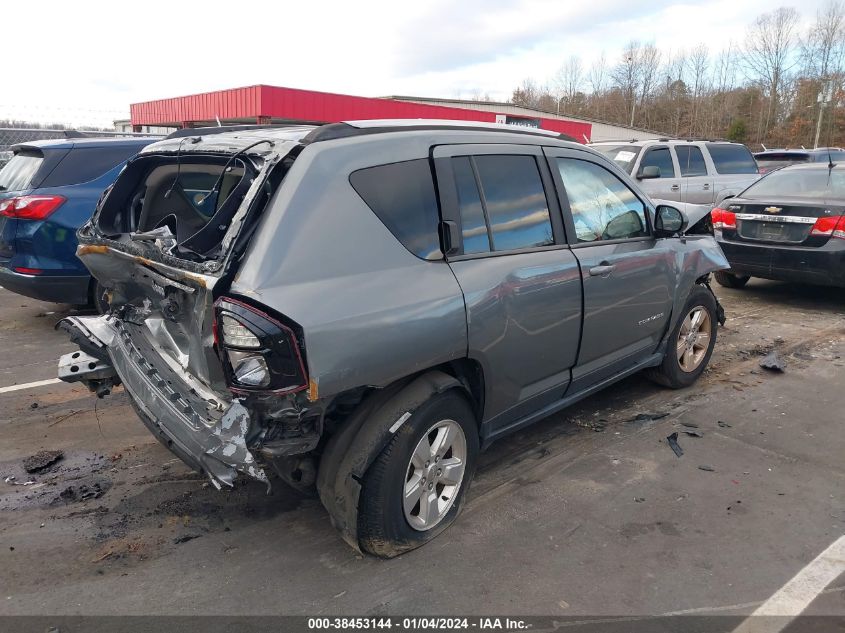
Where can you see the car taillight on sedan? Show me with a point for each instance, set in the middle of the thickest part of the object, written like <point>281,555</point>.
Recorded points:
<point>259,353</point>
<point>830,226</point>
<point>30,207</point>
<point>723,219</point>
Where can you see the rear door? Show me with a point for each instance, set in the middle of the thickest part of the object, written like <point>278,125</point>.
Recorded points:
<point>696,183</point>
<point>520,280</point>
<point>629,277</point>
<point>734,167</point>
<point>668,186</point>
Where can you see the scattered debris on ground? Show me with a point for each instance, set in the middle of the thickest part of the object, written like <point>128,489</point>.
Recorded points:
<point>773,362</point>
<point>723,425</point>
<point>41,460</point>
<point>693,433</point>
<point>707,468</point>
<point>648,417</point>
<point>673,444</point>
<point>185,538</point>
<point>84,492</point>
<point>13,481</point>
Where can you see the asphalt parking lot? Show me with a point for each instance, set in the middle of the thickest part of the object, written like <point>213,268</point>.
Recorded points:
<point>589,512</point>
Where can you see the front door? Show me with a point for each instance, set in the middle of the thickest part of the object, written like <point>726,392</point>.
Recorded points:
<point>668,186</point>
<point>628,276</point>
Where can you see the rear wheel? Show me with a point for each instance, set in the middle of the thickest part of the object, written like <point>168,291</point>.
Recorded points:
<point>729,280</point>
<point>416,487</point>
<point>690,343</point>
<point>98,297</point>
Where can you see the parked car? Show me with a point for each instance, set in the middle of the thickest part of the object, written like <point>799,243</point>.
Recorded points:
<point>364,306</point>
<point>697,172</point>
<point>788,226</point>
<point>777,158</point>
<point>47,191</point>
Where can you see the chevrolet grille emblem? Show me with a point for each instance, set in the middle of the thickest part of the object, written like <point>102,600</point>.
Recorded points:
<point>773,209</point>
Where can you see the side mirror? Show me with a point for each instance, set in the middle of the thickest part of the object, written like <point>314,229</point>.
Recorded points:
<point>648,172</point>
<point>669,221</point>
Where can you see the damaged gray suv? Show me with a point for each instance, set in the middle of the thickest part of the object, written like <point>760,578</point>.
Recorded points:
<point>362,307</point>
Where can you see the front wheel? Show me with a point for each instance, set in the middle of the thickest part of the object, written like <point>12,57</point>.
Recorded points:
<point>690,343</point>
<point>415,488</point>
<point>729,280</point>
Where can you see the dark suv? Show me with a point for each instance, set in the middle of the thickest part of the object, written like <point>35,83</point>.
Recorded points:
<point>366,305</point>
<point>47,191</point>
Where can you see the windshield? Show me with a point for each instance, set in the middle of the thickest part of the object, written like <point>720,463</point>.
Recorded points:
<point>799,183</point>
<point>18,172</point>
<point>622,155</point>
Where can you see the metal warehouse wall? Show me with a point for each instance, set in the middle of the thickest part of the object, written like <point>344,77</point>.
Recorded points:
<point>601,131</point>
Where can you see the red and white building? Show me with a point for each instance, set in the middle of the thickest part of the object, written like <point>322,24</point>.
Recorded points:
<point>272,104</point>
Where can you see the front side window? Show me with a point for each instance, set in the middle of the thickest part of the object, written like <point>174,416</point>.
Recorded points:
<point>690,160</point>
<point>659,157</point>
<point>515,201</point>
<point>731,158</point>
<point>402,196</point>
<point>602,206</point>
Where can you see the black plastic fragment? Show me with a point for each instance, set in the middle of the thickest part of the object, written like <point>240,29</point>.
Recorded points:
<point>673,444</point>
<point>773,362</point>
<point>707,468</point>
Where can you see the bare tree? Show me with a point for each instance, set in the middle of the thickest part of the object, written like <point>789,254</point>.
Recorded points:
<point>597,78</point>
<point>569,81</point>
<point>769,57</point>
<point>699,68</point>
<point>823,48</point>
<point>627,76</point>
<point>649,62</point>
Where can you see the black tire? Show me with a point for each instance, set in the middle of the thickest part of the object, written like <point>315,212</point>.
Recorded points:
<point>670,373</point>
<point>98,298</point>
<point>729,280</point>
<point>383,529</point>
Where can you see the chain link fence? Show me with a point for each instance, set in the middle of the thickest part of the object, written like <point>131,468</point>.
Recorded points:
<point>10,136</point>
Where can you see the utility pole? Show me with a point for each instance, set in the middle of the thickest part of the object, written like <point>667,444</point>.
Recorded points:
<point>825,97</point>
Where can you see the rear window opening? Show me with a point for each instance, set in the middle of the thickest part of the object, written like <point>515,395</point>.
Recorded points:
<point>184,206</point>
<point>18,173</point>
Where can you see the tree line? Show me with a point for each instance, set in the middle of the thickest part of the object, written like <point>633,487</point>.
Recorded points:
<point>766,90</point>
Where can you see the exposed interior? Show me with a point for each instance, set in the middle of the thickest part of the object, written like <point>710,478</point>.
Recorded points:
<point>184,205</point>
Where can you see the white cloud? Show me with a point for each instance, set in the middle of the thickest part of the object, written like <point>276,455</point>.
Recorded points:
<point>84,63</point>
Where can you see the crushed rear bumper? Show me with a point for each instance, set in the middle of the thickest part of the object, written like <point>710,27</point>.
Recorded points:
<point>208,435</point>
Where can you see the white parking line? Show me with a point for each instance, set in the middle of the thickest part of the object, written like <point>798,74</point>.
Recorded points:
<point>796,595</point>
<point>30,385</point>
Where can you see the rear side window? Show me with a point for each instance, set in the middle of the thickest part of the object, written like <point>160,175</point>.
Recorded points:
<point>659,157</point>
<point>83,164</point>
<point>732,159</point>
<point>402,196</point>
<point>18,172</point>
<point>690,160</point>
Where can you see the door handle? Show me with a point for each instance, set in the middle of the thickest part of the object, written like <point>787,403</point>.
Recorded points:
<point>602,270</point>
<point>706,187</point>
<point>675,187</point>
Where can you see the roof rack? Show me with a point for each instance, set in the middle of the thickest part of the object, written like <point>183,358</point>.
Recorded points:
<point>222,129</point>
<point>346,129</point>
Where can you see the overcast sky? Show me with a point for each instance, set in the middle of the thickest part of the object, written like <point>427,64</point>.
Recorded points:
<point>85,62</point>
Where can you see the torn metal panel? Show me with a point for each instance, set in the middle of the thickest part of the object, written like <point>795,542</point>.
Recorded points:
<point>210,434</point>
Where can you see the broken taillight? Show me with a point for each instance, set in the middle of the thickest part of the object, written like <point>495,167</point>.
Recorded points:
<point>259,352</point>
<point>830,226</point>
<point>30,207</point>
<point>723,219</point>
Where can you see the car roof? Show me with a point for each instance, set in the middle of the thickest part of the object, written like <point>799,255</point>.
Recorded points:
<point>797,152</point>
<point>92,142</point>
